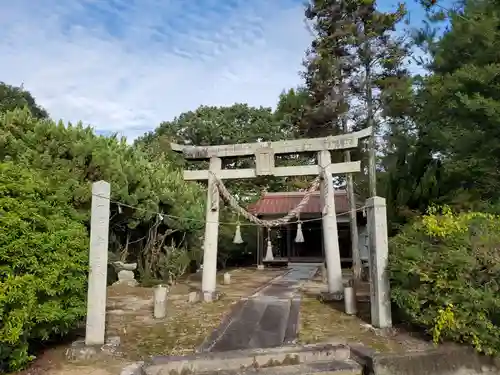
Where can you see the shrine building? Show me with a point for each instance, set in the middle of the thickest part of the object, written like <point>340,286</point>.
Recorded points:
<point>285,247</point>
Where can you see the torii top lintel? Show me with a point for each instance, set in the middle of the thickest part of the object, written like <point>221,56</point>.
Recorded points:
<point>337,142</point>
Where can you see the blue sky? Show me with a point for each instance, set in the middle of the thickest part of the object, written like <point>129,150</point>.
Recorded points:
<point>126,65</point>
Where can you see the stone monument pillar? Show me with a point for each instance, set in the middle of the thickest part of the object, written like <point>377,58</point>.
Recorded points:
<point>98,262</point>
<point>380,299</point>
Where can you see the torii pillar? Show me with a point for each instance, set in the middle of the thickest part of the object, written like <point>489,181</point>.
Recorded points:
<point>330,231</point>
<point>209,276</point>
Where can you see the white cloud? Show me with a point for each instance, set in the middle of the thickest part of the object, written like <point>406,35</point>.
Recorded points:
<point>125,65</point>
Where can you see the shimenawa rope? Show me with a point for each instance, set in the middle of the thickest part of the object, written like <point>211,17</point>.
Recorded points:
<point>233,202</point>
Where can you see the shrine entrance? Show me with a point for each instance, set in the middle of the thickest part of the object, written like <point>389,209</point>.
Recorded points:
<point>286,250</point>
<point>309,248</point>
<point>264,153</point>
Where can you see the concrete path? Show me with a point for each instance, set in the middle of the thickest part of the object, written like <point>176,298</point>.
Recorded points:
<point>269,318</point>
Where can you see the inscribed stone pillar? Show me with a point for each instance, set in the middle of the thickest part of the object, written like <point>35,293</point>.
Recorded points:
<point>98,262</point>
<point>209,279</point>
<point>330,232</point>
<point>379,250</point>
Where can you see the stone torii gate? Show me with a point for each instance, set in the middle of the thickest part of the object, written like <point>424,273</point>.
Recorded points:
<point>264,153</point>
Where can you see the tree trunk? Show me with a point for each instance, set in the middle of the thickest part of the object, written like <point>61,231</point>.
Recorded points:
<point>353,223</point>
<point>372,170</point>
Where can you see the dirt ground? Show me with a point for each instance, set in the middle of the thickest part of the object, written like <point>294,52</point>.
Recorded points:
<point>129,315</point>
<point>326,321</point>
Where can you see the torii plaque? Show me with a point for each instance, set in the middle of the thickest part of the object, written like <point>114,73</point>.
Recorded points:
<point>264,153</point>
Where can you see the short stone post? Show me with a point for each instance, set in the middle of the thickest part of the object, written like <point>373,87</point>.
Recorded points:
<point>227,278</point>
<point>379,249</point>
<point>160,301</point>
<point>349,299</point>
<point>193,297</point>
<point>98,264</point>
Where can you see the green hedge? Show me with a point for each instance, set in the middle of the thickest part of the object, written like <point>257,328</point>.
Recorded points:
<point>445,277</point>
<point>43,264</point>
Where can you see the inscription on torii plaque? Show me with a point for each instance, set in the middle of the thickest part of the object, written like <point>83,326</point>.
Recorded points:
<point>264,161</point>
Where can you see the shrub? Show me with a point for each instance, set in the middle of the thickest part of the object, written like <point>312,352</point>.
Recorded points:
<point>75,157</point>
<point>43,264</point>
<point>444,272</point>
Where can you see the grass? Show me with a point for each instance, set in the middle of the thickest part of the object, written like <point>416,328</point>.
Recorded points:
<point>186,324</point>
<point>326,321</point>
<point>130,316</point>
<point>322,321</point>
<point>180,333</point>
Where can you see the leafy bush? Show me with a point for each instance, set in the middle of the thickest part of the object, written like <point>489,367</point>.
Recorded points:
<point>445,276</point>
<point>43,264</point>
<point>75,157</point>
<point>163,263</point>
<point>174,263</point>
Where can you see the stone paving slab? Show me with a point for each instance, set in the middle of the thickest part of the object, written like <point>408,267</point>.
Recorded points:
<point>269,318</point>
<point>270,330</point>
<point>240,331</point>
<point>281,289</point>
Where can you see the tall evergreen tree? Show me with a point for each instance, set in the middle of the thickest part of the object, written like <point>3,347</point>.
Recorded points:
<point>352,54</point>
<point>460,100</point>
<point>329,64</point>
<point>353,59</point>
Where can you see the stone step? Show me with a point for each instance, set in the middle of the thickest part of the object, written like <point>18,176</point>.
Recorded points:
<point>247,358</point>
<point>347,367</point>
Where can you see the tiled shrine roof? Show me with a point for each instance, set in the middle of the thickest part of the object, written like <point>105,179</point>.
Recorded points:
<point>282,202</point>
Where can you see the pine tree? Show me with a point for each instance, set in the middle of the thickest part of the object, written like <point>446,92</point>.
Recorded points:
<point>329,64</point>
<point>352,54</point>
<point>460,100</point>
<point>353,59</point>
